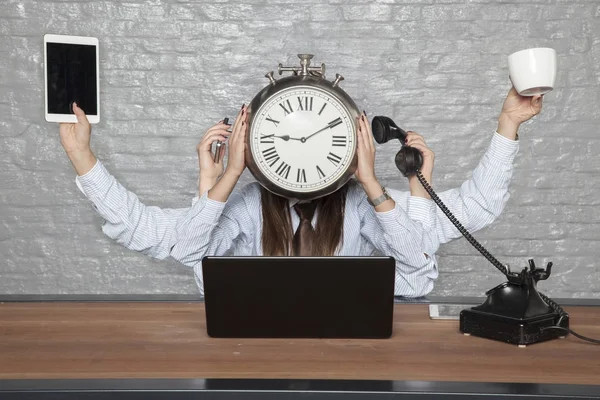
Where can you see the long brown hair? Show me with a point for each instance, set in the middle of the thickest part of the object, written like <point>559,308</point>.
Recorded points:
<point>277,231</point>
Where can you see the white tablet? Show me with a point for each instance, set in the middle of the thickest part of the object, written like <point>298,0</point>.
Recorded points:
<point>71,72</point>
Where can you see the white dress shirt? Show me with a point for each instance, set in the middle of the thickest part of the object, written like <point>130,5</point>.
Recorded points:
<point>411,232</point>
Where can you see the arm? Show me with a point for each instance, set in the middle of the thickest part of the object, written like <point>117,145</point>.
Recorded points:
<point>150,230</point>
<point>481,199</point>
<point>405,235</point>
<point>127,220</point>
<point>219,219</point>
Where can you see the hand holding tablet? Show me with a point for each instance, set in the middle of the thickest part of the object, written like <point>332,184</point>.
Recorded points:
<point>71,74</point>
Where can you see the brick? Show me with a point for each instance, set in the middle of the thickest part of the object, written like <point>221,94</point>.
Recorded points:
<point>326,12</point>
<point>171,69</point>
<point>371,12</point>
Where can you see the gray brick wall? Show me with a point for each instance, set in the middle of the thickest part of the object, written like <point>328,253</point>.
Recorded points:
<point>169,69</point>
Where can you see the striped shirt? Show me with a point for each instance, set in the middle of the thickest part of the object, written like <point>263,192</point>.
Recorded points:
<point>411,232</point>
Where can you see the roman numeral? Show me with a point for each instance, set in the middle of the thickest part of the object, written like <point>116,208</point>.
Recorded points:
<point>320,173</point>
<point>339,141</point>
<point>335,122</point>
<point>301,177</point>
<point>283,170</point>
<point>271,156</point>
<point>272,120</point>
<point>267,139</point>
<point>322,108</point>
<point>287,110</point>
<point>305,103</point>
<point>334,158</point>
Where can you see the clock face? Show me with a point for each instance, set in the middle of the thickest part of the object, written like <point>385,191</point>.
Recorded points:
<point>303,139</point>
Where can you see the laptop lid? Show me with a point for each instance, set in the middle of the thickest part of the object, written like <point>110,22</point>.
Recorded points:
<point>299,297</point>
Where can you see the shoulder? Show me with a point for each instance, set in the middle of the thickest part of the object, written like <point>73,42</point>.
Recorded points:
<point>249,195</point>
<point>251,190</point>
<point>244,203</point>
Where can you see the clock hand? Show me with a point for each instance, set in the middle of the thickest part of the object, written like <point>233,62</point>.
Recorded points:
<point>330,125</point>
<point>285,137</point>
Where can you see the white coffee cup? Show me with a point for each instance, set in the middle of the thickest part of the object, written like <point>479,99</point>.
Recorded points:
<point>533,71</point>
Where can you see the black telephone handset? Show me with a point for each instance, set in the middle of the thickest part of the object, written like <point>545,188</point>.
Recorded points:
<point>408,159</point>
<point>514,312</point>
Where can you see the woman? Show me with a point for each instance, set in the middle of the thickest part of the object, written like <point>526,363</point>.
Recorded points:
<point>253,221</point>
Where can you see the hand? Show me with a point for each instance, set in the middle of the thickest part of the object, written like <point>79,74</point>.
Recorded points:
<point>236,162</point>
<point>75,139</point>
<point>209,170</point>
<point>365,173</point>
<point>365,150</point>
<point>516,110</point>
<point>416,141</point>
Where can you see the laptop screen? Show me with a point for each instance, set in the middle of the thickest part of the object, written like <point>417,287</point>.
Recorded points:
<point>295,297</point>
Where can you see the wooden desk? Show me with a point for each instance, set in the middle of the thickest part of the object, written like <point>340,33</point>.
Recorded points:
<point>45,343</point>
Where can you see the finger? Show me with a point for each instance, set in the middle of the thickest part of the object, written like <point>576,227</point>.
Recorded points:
<point>221,126</point>
<point>359,136</point>
<point>414,139</point>
<point>364,129</point>
<point>222,153</point>
<point>63,128</point>
<point>413,134</point>
<point>237,125</point>
<point>240,131</point>
<point>409,136</point>
<point>209,135</point>
<point>206,145</point>
<point>81,118</point>
<point>235,133</point>
<point>244,132</point>
<point>221,131</point>
<point>426,151</point>
<point>369,131</point>
<point>241,136</point>
<point>239,118</point>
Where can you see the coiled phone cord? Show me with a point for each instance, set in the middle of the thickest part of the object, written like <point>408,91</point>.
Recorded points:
<point>557,308</point>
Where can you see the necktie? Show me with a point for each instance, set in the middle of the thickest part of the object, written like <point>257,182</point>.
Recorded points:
<point>304,236</point>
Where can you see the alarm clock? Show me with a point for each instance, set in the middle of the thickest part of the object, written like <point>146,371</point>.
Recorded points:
<point>301,139</point>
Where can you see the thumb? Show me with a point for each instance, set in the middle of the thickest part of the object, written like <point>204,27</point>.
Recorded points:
<point>81,118</point>
<point>222,153</point>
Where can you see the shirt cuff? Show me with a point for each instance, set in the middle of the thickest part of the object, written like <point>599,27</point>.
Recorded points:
<point>208,210</point>
<point>95,182</point>
<point>503,149</point>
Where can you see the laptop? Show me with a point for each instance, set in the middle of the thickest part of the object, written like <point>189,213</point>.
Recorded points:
<point>299,297</point>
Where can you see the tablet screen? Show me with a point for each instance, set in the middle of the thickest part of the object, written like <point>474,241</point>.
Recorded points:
<point>71,75</point>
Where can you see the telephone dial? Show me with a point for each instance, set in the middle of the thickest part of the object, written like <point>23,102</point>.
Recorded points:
<point>515,311</point>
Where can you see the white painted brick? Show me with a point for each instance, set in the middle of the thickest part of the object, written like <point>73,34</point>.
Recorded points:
<point>170,69</point>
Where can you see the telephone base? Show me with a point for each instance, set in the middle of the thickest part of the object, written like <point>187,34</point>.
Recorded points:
<point>518,331</point>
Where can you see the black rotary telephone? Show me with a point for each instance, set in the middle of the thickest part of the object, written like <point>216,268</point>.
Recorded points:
<point>515,311</point>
